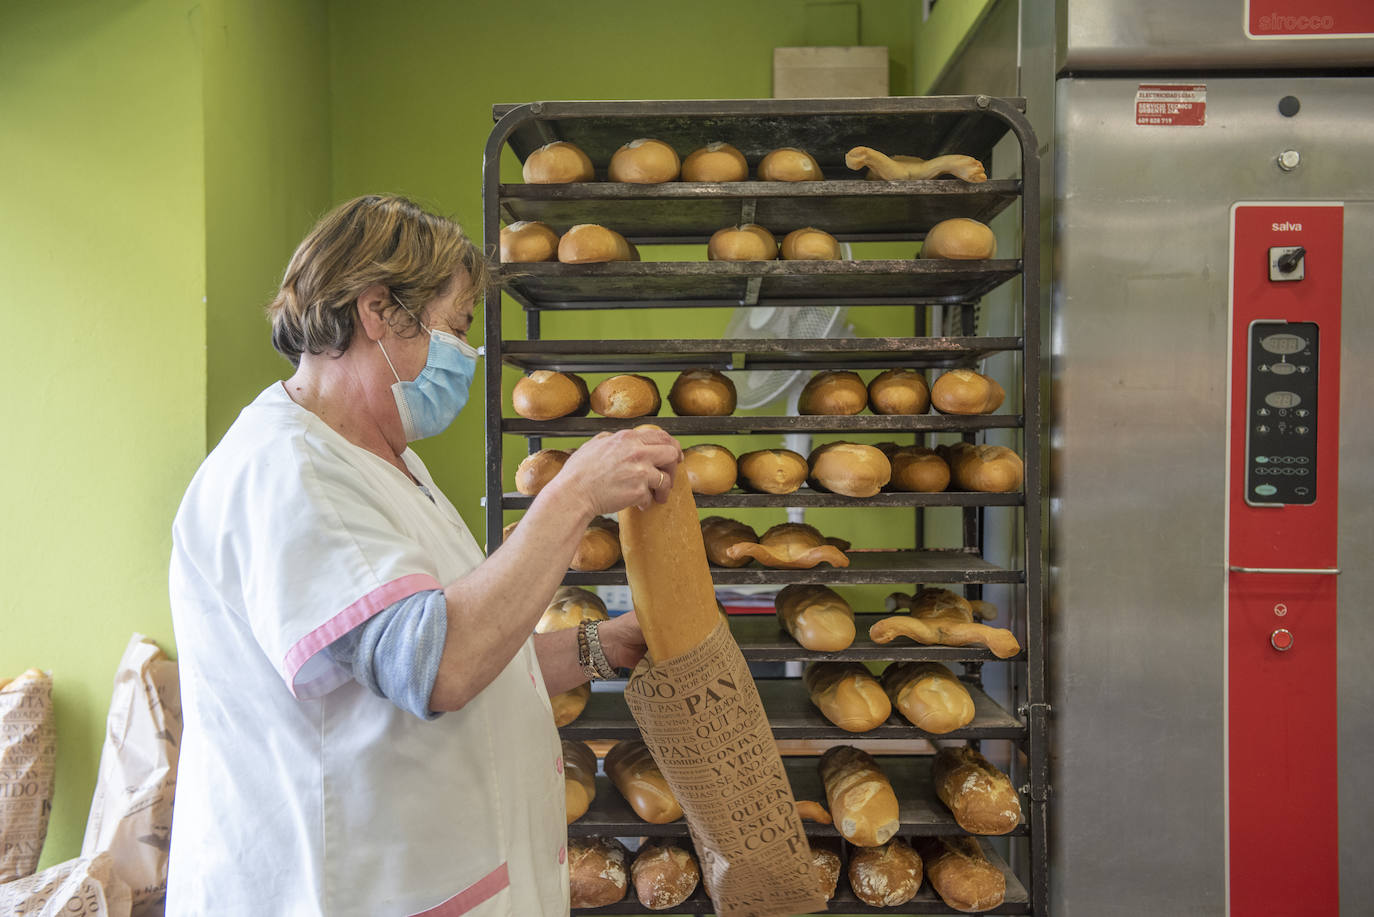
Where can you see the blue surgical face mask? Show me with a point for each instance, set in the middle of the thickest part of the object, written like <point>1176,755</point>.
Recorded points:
<point>429,404</point>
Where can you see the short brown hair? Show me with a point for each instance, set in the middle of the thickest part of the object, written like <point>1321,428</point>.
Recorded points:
<point>375,239</point>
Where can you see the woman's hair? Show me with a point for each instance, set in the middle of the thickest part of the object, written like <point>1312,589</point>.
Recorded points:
<point>376,239</point>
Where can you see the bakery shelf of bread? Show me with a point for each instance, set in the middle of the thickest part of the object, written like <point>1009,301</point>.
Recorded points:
<point>817,423</point>
<point>806,497</point>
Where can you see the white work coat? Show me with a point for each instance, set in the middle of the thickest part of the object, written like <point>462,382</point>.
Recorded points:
<point>300,792</point>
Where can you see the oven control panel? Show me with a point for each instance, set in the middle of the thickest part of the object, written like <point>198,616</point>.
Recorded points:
<point>1281,440</point>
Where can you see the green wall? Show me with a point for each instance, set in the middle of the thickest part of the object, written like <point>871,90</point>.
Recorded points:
<point>939,38</point>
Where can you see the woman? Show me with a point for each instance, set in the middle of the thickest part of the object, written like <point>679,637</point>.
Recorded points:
<point>367,724</point>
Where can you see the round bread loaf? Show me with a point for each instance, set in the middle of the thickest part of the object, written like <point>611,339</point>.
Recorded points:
<point>711,469</point>
<point>537,470</point>
<point>569,705</point>
<point>598,873</point>
<point>720,534</point>
<point>852,469</point>
<point>825,863</point>
<point>599,548</point>
<point>959,239</point>
<point>810,244</point>
<point>644,162</point>
<point>917,470</point>
<point>570,606</point>
<point>527,241</point>
<point>929,696</point>
<point>899,391</point>
<point>886,876</point>
<point>716,161</point>
<point>750,242</point>
<point>789,164</point>
<point>544,395</point>
<point>579,777</point>
<point>772,471</point>
<point>833,392</point>
<point>664,874</point>
<point>627,395</point>
<point>702,393</point>
<point>558,163</point>
<point>963,391</point>
<point>983,468</point>
<point>588,243</point>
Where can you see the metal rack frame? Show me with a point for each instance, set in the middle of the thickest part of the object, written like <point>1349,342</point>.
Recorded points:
<point>860,211</point>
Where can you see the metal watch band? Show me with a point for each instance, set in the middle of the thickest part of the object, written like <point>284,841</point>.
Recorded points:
<point>584,651</point>
<point>600,663</point>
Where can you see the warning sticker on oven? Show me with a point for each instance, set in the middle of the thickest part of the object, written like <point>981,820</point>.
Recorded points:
<point>1171,104</point>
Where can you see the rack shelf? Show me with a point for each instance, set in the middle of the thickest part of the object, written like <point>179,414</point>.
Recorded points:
<point>806,497</point>
<point>865,567</point>
<point>761,639</point>
<point>739,423</point>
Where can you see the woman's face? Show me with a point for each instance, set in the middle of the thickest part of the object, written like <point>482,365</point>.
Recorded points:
<point>450,311</point>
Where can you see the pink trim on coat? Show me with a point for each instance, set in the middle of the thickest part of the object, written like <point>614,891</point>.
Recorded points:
<point>355,614</point>
<point>477,893</point>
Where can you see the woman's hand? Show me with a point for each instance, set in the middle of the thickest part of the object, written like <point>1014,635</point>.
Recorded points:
<point>614,470</point>
<point>622,640</point>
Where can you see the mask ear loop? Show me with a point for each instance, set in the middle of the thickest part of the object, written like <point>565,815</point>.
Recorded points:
<point>403,308</point>
<point>388,361</point>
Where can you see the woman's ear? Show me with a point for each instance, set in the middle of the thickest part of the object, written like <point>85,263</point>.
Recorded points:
<point>372,305</point>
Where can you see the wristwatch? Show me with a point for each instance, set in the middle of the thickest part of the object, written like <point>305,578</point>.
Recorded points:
<point>590,656</point>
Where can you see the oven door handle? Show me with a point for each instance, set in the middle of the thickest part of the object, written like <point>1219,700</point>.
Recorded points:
<point>1325,571</point>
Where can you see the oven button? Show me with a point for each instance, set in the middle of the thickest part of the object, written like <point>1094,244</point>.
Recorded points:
<point>1282,639</point>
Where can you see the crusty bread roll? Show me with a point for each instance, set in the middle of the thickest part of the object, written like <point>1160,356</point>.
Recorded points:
<point>977,792</point>
<point>810,244</point>
<point>848,695</point>
<point>716,161</point>
<point>833,392</point>
<point>599,548</point>
<point>588,243</point>
<point>945,618</point>
<point>598,872</point>
<point>579,778</point>
<point>569,705</point>
<point>859,795</point>
<point>644,162</point>
<point>961,874</point>
<point>711,469</point>
<point>527,241</point>
<point>634,773</point>
<point>899,391</point>
<point>963,391</point>
<point>748,242</point>
<point>702,393</point>
<point>789,164</point>
<point>852,469</point>
<point>664,874</point>
<point>570,606</point>
<point>916,469</point>
<point>537,470</point>
<point>886,876</point>
<point>544,395</point>
<point>825,863</point>
<point>983,469</point>
<point>792,545</point>
<point>913,168</point>
<point>959,239</point>
<point>929,696</point>
<point>558,163</point>
<point>772,471</point>
<point>720,535</point>
<point>816,616</point>
<point>626,395</point>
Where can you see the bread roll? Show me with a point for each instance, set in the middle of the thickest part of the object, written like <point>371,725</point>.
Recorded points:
<point>860,798</point>
<point>810,810</point>
<point>588,243</point>
<point>793,545</point>
<point>816,616</point>
<point>772,471</point>
<point>963,391</point>
<point>810,244</point>
<point>945,618</point>
<point>749,242</point>
<point>899,391</point>
<point>983,469</point>
<point>544,395</point>
<point>634,773</point>
<point>833,392</point>
<point>929,696</point>
<point>789,164</point>
<point>886,876</point>
<point>599,548</point>
<point>977,792</point>
<point>627,395</point>
<point>851,469</point>
<point>537,470</point>
<point>847,695</point>
<point>959,239</point>
<point>825,862</point>
<point>961,874</point>
<point>597,871</point>
<point>702,393</point>
<point>644,162</point>
<point>720,535</point>
<point>664,874</point>
<point>579,778</point>
<point>913,168</point>
<point>569,705</point>
<point>558,163</point>
<point>570,606</point>
<point>528,241</point>
<point>711,469</point>
<point>916,469</point>
<point>716,161</point>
